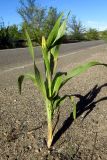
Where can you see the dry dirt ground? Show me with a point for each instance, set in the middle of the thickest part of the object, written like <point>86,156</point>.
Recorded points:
<point>23,122</point>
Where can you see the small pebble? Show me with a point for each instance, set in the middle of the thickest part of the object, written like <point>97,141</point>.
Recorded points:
<point>29,147</point>
<point>37,151</point>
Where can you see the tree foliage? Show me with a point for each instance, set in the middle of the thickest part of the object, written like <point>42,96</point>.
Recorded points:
<point>9,36</point>
<point>31,13</point>
<point>92,34</point>
<point>51,18</point>
<point>76,29</point>
<point>104,35</point>
<point>1,23</point>
<point>39,20</point>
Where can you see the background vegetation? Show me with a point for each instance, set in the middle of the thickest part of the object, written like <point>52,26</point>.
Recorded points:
<point>40,21</point>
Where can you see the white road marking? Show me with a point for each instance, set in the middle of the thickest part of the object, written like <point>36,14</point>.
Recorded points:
<point>79,51</point>
<point>30,64</point>
<point>20,67</point>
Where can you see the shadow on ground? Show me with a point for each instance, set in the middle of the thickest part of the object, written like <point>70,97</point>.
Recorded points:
<point>85,103</point>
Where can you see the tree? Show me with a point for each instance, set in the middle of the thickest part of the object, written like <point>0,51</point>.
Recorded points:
<point>51,18</point>
<point>1,23</point>
<point>104,35</point>
<point>92,34</point>
<point>76,29</point>
<point>8,36</point>
<point>14,32</point>
<point>31,13</point>
<point>33,17</point>
<point>38,20</point>
<point>5,41</point>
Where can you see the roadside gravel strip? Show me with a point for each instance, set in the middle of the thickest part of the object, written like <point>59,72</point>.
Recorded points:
<point>20,116</point>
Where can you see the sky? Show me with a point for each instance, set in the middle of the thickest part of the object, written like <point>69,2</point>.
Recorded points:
<point>92,13</point>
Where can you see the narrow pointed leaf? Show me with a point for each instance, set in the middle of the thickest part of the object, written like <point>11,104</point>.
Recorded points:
<point>39,80</point>
<point>59,101</point>
<point>43,42</point>
<point>26,76</point>
<point>31,50</point>
<point>56,84</point>
<point>55,53</point>
<point>20,81</point>
<point>54,32</point>
<point>80,69</point>
<point>52,63</point>
<point>57,81</point>
<point>61,30</point>
<point>45,56</point>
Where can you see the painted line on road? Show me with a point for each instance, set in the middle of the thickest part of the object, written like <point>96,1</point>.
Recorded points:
<point>68,54</point>
<point>20,67</point>
<point>30,64</point>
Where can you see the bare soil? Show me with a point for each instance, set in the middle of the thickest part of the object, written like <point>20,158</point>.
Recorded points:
<point>23,118</point>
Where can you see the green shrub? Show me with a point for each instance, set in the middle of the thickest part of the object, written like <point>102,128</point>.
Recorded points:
<point>104,35</point>
<point>8,36</point>
<point>92,34</point>
<point>76,29</point>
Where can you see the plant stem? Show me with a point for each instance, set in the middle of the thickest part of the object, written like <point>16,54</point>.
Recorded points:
<point>49,121</point>
<point>50,135</point>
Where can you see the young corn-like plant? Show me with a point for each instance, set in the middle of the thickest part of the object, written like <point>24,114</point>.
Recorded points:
<point>50,85</point>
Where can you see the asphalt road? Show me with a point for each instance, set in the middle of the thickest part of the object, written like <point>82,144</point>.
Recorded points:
<point>15,57</point>
<point>16,61</point>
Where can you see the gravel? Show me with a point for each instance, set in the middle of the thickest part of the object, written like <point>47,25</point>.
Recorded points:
<point>24,126</point>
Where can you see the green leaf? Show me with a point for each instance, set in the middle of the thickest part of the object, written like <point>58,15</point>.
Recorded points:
<point>45,56</point>
<point>20,80</point>
<point>80,69</point>
<point>52,64</point>
<point>25,76</point>
<point>31,50</point>
<point>57,84</point>
<point>39,80</point>
<point>54,32</point>
<point>55,53</point>
<point>57,81</point>
<point>59,100</point>
<point>74,106</point>
<point>61,30</point>
<point>36,79</point>
<point>43,42</point>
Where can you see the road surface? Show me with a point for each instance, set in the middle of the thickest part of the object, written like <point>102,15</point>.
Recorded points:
<point>17,61</point>
<point>10,58</point>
